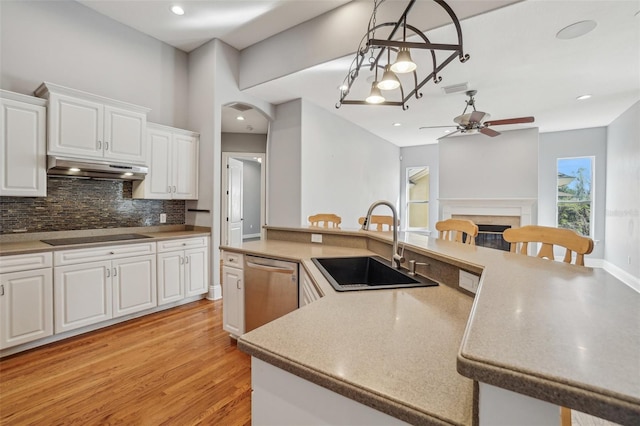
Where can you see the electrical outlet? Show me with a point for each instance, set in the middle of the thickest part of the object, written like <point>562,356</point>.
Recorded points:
<point>163,218</point>
<point>468,281</point>
<point>316,238</point>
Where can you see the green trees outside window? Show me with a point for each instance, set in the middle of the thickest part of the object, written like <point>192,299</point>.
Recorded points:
<point>575,194</point>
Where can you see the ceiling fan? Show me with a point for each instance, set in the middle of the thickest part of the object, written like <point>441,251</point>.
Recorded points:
<point>475,121</point>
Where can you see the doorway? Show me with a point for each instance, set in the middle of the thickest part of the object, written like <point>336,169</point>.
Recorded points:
<point>243,177</point>
<point>243,197</point>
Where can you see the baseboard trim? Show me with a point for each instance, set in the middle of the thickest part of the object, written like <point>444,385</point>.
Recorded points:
<point>622,275</point>
<point>215,292</point>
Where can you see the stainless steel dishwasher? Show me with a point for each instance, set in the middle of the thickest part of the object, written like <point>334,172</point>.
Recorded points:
<point>270,290</point>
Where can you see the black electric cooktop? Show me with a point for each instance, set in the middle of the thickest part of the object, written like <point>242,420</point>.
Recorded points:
<point>93,239</point>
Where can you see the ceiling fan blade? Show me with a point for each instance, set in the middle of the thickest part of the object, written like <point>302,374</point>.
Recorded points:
<point>447,135</point>
<point>489,132</point>
<point>509,121</point>
<point>476,117</point>
<point>435,127</point>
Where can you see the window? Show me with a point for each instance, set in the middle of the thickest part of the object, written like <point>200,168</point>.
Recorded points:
<point>575,194</point>
<point>417,197</point>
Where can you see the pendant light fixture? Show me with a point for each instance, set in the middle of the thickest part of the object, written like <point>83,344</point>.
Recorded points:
<point>403,63</point>
<point>375,96</point>
<point>411,39</point>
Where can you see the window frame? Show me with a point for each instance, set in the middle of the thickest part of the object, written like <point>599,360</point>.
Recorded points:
<point>409,202</point>
<point>592,191</point>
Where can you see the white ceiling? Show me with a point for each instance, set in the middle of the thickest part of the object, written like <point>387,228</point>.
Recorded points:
<point>517,64</point>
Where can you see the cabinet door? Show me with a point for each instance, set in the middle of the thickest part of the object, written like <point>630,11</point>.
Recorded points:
<point>134,284</point>
<point>26,306</point>
<point>196,272</point>
<point>22,149</point>
<point>233,300</point>
<point>170,277</point>
<point>185,167</point>
<point>82,295</point>
<point>158,184</point>
<point>75,127</point>
<point>124,135</point>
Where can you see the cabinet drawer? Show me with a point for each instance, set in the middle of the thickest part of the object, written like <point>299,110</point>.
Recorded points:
<point>69,257</point>
<point>232,259</point>
<point>181,244</point>
<point>24,262</point>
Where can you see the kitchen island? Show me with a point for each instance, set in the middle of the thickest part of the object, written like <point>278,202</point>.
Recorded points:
<point>554,332</point>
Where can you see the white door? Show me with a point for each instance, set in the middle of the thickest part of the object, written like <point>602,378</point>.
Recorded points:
<point>170,277</point>
<point>234,202</point>
<point>233,300</point>
<point>82,295</point>
<point>196,273</point>
<point>75,127</point>
<point>124,133</point>
<point>26,306</point>
<point>134,284</point>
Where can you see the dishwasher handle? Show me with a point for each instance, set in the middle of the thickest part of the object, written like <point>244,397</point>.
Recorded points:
<point>271,268</point>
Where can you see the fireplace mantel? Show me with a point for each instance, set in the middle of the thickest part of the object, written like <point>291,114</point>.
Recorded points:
<point>514,207</point>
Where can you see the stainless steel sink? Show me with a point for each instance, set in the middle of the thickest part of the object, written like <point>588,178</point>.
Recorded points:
<point>366,273</point>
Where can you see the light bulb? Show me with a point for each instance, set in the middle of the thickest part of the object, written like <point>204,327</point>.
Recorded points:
<point>375,97</point>
<point>403,63</point>
<point>389,80</point>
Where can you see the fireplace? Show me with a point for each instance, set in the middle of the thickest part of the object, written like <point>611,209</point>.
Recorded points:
<point>491,236</point>
<point>492,216</point>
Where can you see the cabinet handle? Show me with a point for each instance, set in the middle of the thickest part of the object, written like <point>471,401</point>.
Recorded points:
<point>99,144</point>
<point>238,285</point>
<point>181,260</point>
<point>186,260</point>
<point>108,272</point>
<point>174,189</point>
<point>106,146</point>
<point>115,272</point>
<point>2,290</point>
<point>112,252</point>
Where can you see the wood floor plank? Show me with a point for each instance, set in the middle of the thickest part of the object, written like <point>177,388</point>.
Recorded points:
<point>176,367</point>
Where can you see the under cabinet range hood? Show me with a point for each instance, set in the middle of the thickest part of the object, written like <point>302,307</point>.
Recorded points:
<point>93,169</point>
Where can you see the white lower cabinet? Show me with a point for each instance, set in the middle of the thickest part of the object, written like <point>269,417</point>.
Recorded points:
<point>97,284</point>
<point>183,269</point>
<point>83,295</point>
<point>26,299</point>
<point>233,293</point>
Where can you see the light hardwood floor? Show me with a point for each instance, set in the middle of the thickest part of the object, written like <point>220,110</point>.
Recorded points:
<point>176,367</point>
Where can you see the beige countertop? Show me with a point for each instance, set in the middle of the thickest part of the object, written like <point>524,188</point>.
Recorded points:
<point>31,243</point>
<point>566,334</point>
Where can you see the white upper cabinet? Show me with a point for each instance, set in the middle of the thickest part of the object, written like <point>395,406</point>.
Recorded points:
<point>173,164</point>
<point>83,125</point>
<point>22,146</point>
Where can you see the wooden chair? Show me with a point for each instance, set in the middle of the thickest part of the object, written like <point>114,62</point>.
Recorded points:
<point>549,237</point>
<point>380,222</point>
<point>454,229</point>
<point>325,220</point>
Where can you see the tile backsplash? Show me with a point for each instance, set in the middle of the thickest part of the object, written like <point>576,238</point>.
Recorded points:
<point>75,204</point>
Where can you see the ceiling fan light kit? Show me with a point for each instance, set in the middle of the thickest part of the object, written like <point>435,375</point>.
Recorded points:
<point>376,48</point>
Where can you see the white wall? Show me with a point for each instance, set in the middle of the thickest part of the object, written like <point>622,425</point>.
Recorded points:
<point>284,164</point>
<point>244,142</point>
<point>478,166</point>
<point>213,77</point>
<point>417,156</point>
<point>66,43</point>
<point>623,193</point>
<point>344,168</point>
<point>573,143</point>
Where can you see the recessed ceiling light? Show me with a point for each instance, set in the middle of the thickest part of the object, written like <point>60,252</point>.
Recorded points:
<point>583,97</point>
<point>397,124</point>
<point>240,118</point>
<point>576,30</point>
<point>177,10</point>
<point>447,131</point>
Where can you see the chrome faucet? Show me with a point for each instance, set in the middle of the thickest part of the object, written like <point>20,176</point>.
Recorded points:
<point>397,259</point>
